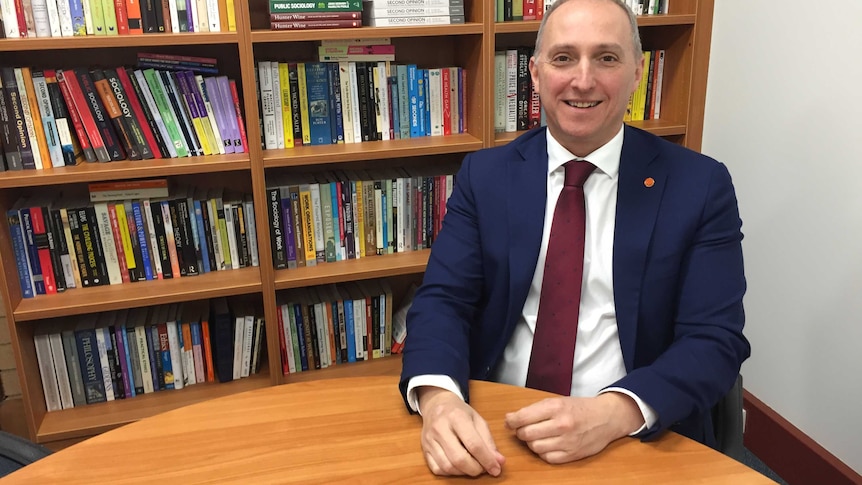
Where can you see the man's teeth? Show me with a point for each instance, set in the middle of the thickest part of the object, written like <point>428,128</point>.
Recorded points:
<point>583,104</point>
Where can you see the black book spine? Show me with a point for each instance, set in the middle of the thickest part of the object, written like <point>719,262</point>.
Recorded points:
<point>151,120</point>
<point>373,103</point>
<point>276,231</point>
<point>129,118</point>
<point>16,117</point>
<point>92,246</point>
<point>523,113</point>
<point>137,273</point>
<point>186,130</point>
<point>161,240</point>
<point>364,111</point>
<point>115,115</point>
<point>293,85</point>
<point>7,133</point>
<point>63,118</point>
<point>178,239</point>
<point>189,255</point>
<point>208,235</point>
<point>109,136</point>
<point>53,250</point>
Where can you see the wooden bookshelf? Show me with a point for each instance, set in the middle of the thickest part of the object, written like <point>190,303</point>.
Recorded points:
<point>684,33</point>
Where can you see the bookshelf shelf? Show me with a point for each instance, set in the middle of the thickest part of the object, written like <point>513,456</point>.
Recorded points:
<point>413,147</point>
<point>88,172</point>
<point>98,42</point>
<point>355,269</point>
<point>92,419</point>
<point>684,34</point>
<point>144,293</point>
<point>261,36</point>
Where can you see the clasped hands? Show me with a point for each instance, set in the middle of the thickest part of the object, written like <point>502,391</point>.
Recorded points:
<point>456,440</point>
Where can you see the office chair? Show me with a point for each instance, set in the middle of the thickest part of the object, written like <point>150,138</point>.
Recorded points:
<point>727,422</point>
<point>17,452</point>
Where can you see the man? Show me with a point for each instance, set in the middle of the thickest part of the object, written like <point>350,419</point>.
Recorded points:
<point>658,322</point>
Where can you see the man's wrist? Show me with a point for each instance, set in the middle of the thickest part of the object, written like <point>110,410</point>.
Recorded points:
<point>625,415</point>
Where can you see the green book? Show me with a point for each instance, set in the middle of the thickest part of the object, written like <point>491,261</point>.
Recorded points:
<point>110,17</point>
<point>328,226</point>
<point>291,6</point>
<point>160,97</point>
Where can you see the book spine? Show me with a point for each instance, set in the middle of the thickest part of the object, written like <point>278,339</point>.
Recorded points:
<point>25,279</point>
<point>112,109</point>
<point>130,119</point>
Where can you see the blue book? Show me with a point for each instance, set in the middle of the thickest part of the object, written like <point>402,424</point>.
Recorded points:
<point>124,335</point>
<point>461,98</point>
<point>300,333</point>
<point>32,251</point>
<point>76,11</point>
<point>416,129</point>
<point>287,224</point>
<point>143,239</point>
<point>403,99</point>
<point>425,108</point>
<point>14,221</point>
<point>336,113</point>
<point>201,236</point>
<point>317,87</point>
<point>91,370</point>
<point>350,330</point>
<point>161,330</point>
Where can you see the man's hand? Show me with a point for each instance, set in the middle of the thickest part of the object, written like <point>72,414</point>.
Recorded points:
<point>564,429</point>
<point>455,439</point>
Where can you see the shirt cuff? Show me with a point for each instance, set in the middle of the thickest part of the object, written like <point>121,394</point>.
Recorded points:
<point>649,414</point>
<point>434,380</point>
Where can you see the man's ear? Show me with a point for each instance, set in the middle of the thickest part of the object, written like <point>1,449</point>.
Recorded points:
<point>534,73</point>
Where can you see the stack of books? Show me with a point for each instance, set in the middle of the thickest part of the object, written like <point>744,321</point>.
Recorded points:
<point>67,18</point>
<point>396,13</point>
<point>320,14</point>
<point>169,106</point>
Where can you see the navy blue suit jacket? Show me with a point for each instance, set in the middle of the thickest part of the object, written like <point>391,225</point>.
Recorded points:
<point>677,274</point>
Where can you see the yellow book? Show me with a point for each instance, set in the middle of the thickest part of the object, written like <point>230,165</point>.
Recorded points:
<point>639,103</point>
<point>43,155</point>
<point>231,16</point>
<point>359,219</point>
<point>286,108</point>
<point>305,207</point>
<point>303,104</point>
<point>125,237</point>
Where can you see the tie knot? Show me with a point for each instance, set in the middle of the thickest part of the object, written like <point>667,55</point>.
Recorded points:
<point>577,172</point>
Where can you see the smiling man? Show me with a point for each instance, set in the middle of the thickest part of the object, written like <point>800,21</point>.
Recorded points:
<point>589,259</point>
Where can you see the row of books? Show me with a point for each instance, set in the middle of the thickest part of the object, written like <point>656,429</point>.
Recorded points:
<point>320,14</point>
<point>645,103</point>
<point>68,18</point>
<point>352,215</point>
<point>517,10</point>
<point>335,324</point>
<point>383,13</point>
<point>517,106</point>
<point>126,353</point>
<point>64,243</point>
<point>323,103</point>
<point>58,118</point>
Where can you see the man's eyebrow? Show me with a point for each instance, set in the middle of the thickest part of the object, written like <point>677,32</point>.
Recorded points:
<point>610,46</point>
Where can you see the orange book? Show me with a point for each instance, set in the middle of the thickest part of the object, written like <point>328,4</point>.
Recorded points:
<point>122,17</point>
<point>208,349</point>
<point>222,15</point>
<point>37,118</point>
<point>133,16</point>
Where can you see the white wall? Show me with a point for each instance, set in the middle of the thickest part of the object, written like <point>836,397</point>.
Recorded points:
<point>784,112</point>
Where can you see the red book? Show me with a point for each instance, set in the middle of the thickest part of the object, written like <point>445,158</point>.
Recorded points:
<point>68,77</point>
<point>122,17</point>
<point>40,238</point>
<point>80,132</point>
<point>22,20</point>
<point>239,121</point>
<point>208,348</point>
<point>138,111</point>
<point>294,16</point>
<point>530,9</point>
<point>447,101</point>
<point>315,24</point>
<point>282,344</point>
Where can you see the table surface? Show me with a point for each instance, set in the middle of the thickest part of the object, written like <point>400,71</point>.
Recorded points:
<point>350,429</point>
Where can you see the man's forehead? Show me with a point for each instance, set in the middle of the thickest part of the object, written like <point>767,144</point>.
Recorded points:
<point>567,45</point>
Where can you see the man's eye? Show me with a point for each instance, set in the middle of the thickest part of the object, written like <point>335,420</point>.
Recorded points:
<point>609,58</point>
<point>561,60</point>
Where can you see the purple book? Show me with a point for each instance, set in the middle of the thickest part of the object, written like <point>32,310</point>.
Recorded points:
<point>212,92</point>
<point>229,112</point>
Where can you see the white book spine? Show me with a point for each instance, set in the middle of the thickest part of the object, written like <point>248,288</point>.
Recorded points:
<point>322,334</point>
<point>47,372</point>
<point>175,19</point>
<point>144,358</point>
<point>10,19</point>
<point>277,108</point>
<point>383,89</point>
<point>346,102</point>
<point>354,102</point>
<point>435,100</point>
<point>247,340</point>
<point>41,22</point>
<point>267,105</point>
<point>214,230</point>
<point>108,247</point>
<point>54,21</point>
<point>659,78</point>
<point>151,104</point>
<point>230,224</point>
<point>214,20</point>
<point>411,11</point>
<point>59,358</point>
<point>251,229</point>
<point>408,21</point>
<point>176,353</point>
<point>151,233</point>
<point>358,323</point>
<point>238,343</point>
<point>511,90</point>
<point>65,13</point>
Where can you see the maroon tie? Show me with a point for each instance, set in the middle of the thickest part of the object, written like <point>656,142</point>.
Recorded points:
<point>557,322</point>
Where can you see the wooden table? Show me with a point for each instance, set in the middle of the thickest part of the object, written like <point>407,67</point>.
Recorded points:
<point>349,430</point>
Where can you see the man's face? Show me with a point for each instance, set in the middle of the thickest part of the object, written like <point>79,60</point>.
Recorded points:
<point>585,73</point>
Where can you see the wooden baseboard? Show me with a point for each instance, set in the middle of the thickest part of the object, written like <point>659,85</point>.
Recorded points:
<point>788,451</point>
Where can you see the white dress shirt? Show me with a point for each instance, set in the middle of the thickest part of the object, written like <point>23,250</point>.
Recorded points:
<point>598,358</point>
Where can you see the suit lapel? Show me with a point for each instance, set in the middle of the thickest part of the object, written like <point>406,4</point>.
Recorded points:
<point>527,184</point>
<point>638,200</point>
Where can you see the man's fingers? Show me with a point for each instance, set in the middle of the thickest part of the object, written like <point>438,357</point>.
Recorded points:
<point>476,438</point>
<point>459,459</point>
<point>534,413</point>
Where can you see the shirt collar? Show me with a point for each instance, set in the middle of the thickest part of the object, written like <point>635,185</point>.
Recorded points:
<point>606,158</point>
